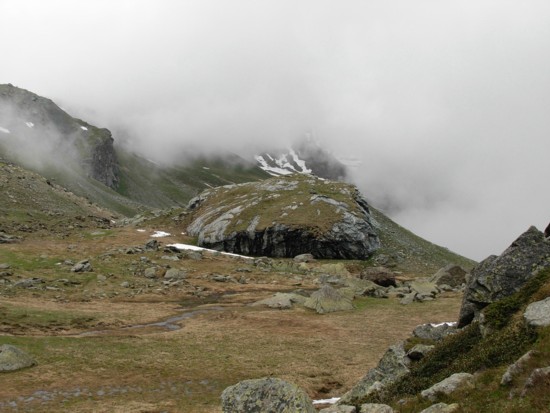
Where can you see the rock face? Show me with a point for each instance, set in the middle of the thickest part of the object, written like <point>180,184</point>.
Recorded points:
<point>40,128</point>
<point>268,395</point>
<point>393,364</point>
<point>516,368</point>
<point>285,217</point>
<point>448,386</point>
<point>12,358</point>
<point>498,277</point>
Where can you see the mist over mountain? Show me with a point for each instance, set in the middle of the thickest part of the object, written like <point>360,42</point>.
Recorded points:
<point>444,105</point>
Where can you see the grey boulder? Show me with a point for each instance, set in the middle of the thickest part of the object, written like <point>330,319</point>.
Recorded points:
<point>448,385</point>
<point>327,300</point>
<point>267,395</point>
<point>12,359</point>
<point>499,277</point>
<point>537,314</point>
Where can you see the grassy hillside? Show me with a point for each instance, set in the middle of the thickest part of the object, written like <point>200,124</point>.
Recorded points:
<point>407,252</point>
<point>488,357</point>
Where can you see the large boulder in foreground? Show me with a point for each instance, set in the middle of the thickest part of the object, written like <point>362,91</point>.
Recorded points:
<point>12,359</point>
<point>499,277</point>
<point>284,217</point>
<point>268,395</point>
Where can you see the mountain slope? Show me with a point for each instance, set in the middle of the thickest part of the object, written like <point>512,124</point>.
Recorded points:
<point>38,134</point>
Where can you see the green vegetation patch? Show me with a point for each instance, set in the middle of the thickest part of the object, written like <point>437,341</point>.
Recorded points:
<point>468,351</point>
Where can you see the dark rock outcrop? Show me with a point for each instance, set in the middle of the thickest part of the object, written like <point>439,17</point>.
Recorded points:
<point>265,395</point>
<point>285,217</point>
<point>498,277</point>
<point>41,129</point>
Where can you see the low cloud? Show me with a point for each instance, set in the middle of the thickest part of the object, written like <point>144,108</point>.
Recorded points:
<point>446,105</point>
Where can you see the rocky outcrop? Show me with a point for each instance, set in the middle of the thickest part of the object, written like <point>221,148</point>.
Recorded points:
<point>393,365</point>
<point>265,395</point>
<point>375,408</point>
<point>442,408</point>
<point>435,332</point>
<point>516,368</point>
<point>285,217</point>
<point>102,165</point>
<point>41,129</point>
<point>498,277</point>
<point>448,386</point>
<point>12,359</point>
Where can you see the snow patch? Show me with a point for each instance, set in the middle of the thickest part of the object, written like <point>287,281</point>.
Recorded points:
<point>29,124</point>
<point>205,167</point>
<point>326,401</point>
<point>449,323</point>
<point>195,248</point>
<point>140,230</point>
<point>275,171</point>
<point>160,234</point>
<point>4,130</point>
<point>300,162</point>
<point>83,128</point>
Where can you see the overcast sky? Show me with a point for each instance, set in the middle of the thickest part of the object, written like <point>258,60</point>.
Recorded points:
<point>446,103</point>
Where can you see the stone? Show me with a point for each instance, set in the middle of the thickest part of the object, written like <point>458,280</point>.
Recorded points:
<point>223,278</point>
<point>264,396</point>
<point>339,409</point>
<point>152,245</point>
<point>537,377</point>
<point>452,275</point>
<point>304,258</point>
<point>364,288</point>
<point>327,300</point>
<point>537,314</point>
<point>448,385</point>
<point>12,358</point>
<point>375,408</point>
<point>516,368</point>
<point>28,282</point>
<point>499,277</point>
<point>175,274</point>
<point>4,266</point>
<point>101,277</point>
<point>547,231</point>
<point>150,272</point>
<point>345,231</point>
<point>408,298</point>
<point>379,275</point>
<point>82,266</point>
<point>423,289</point>
<point>442,408</point>
<point>8,239</point>
<point>281,301</point>
<point>434,332</point>
<point>419,351</point>
<point>393,365</point>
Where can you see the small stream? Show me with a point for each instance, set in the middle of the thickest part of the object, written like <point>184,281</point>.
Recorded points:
<point>170,324</point>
